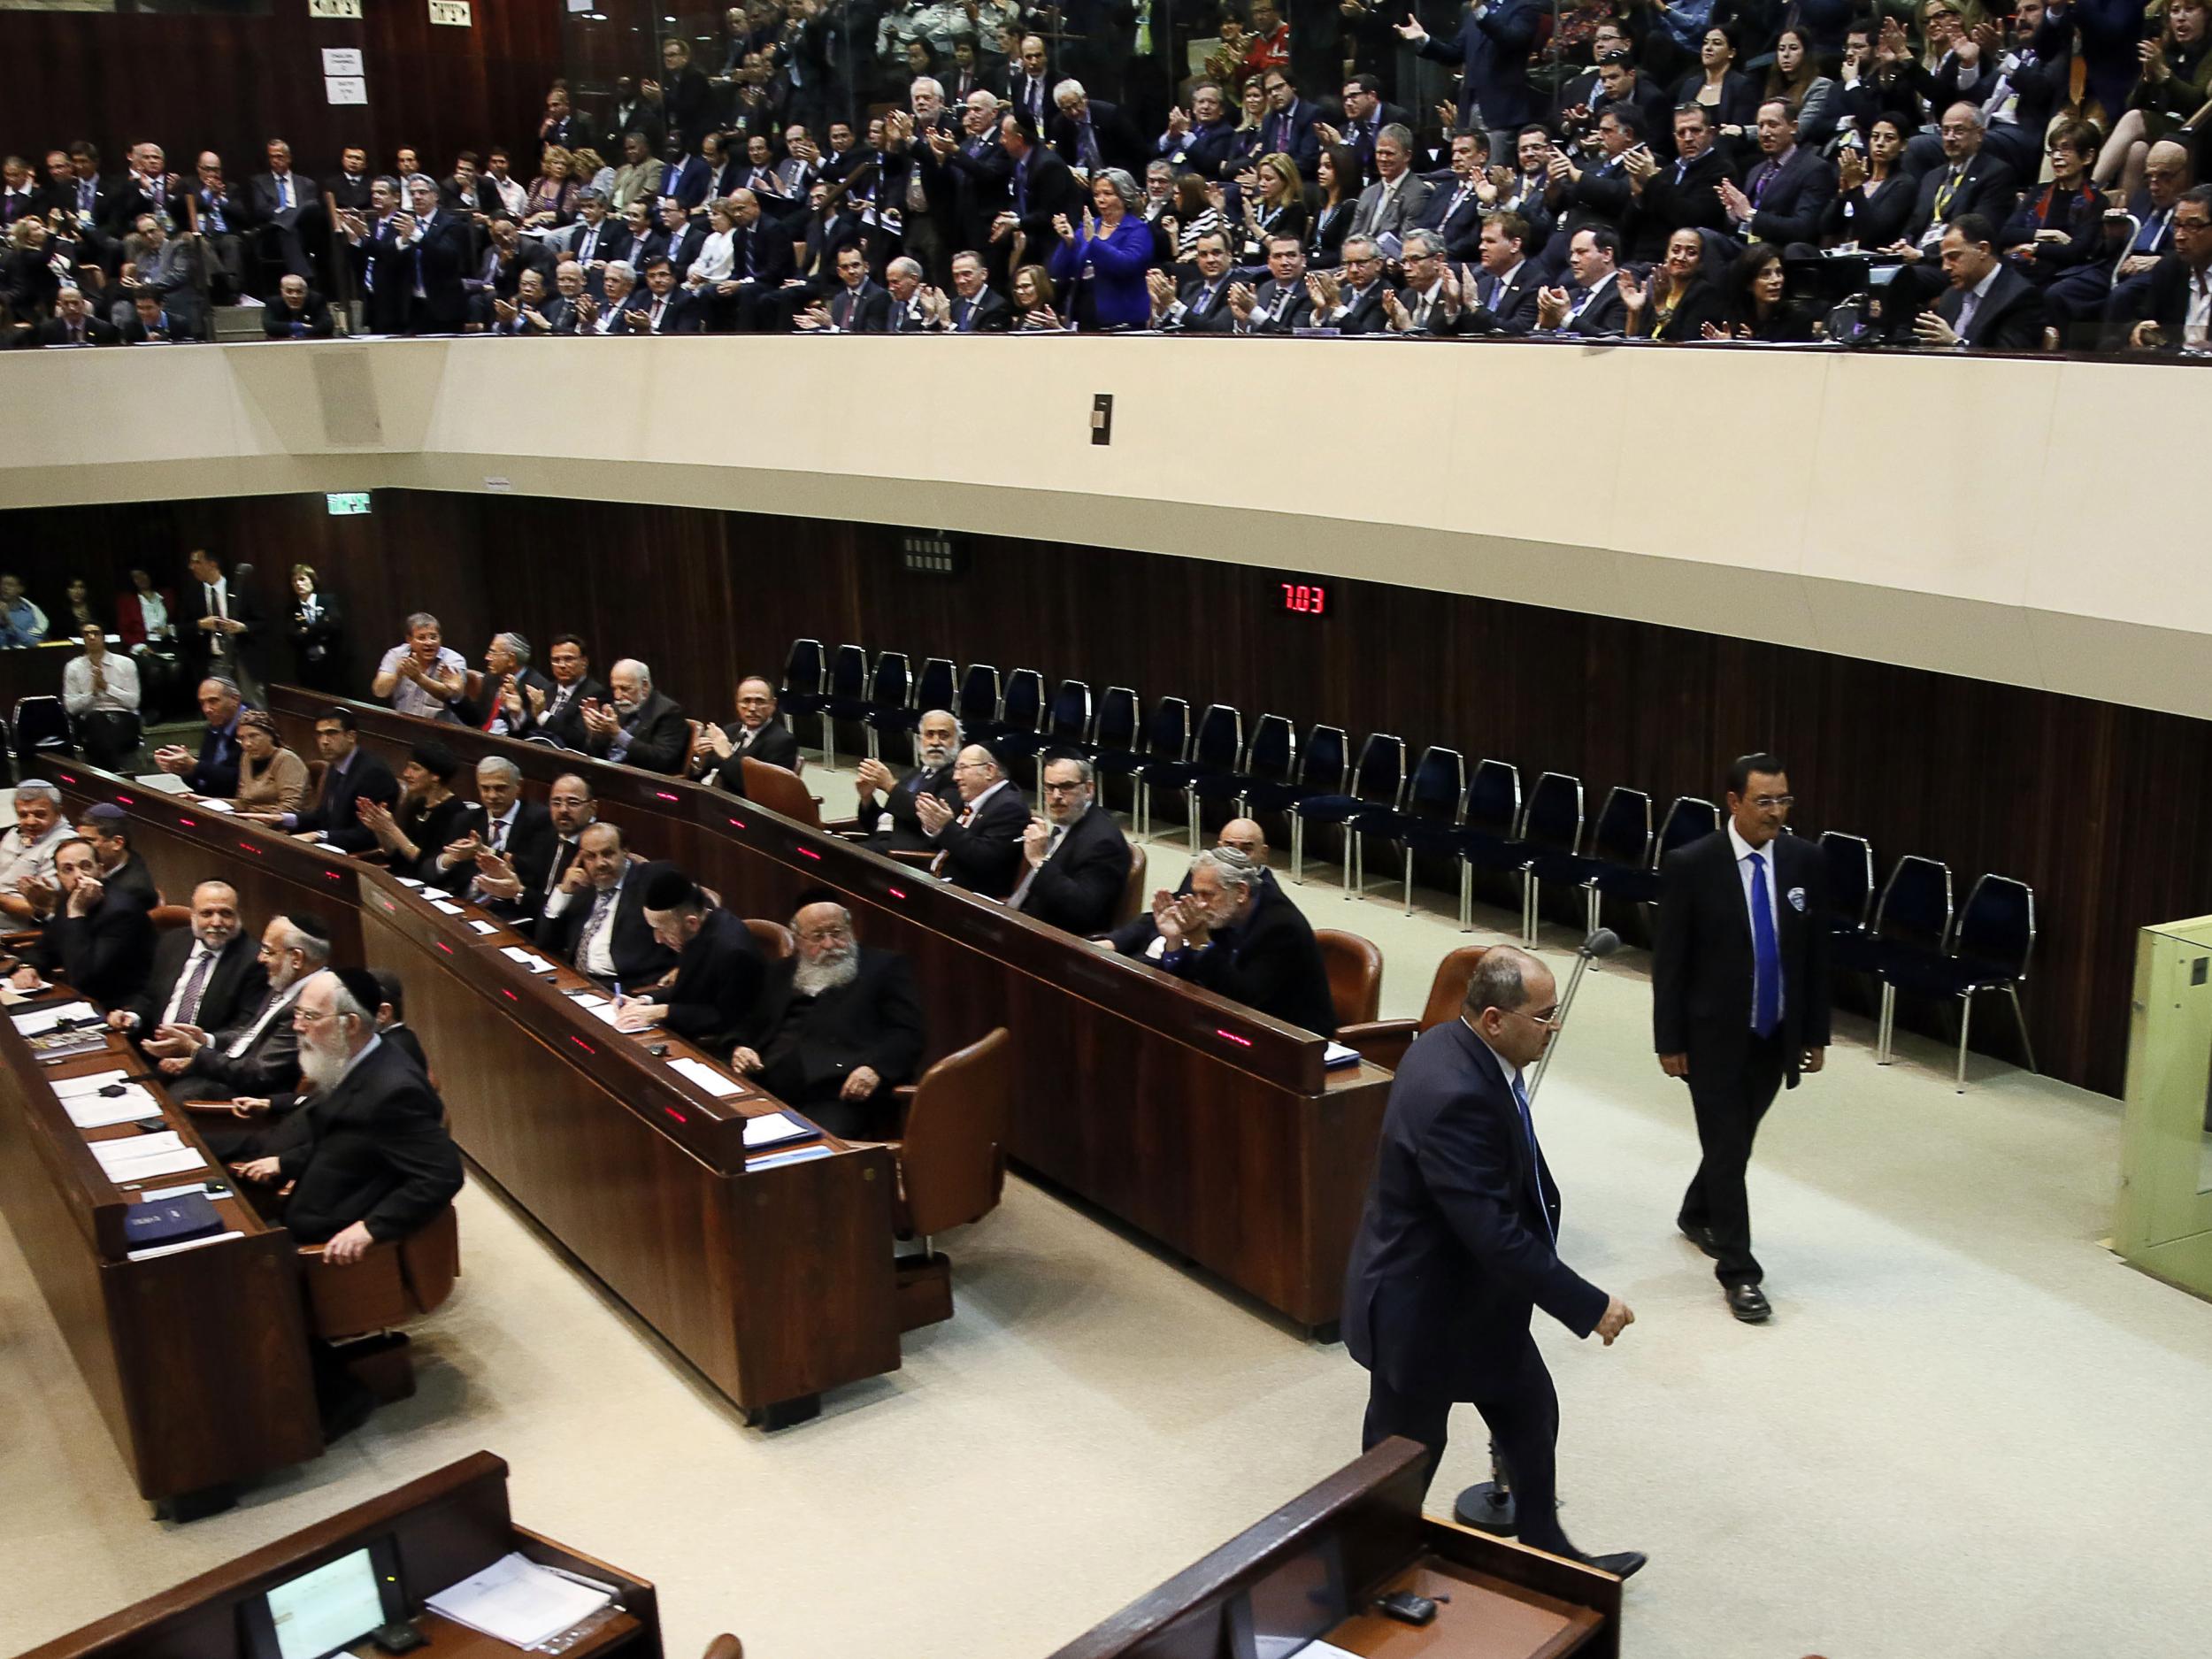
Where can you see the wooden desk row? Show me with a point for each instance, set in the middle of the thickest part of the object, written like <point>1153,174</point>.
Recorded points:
<point>771,1272</point>
<point>1202,1124</point>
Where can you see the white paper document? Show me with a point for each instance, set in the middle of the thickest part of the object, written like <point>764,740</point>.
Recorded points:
<point>446,905</point>
<point>167,783</point>
<point>482,927</point>
<point>773,1129</point>
<point>708,1078</point>
<point>90,1083</point>
<point>143,1157</point>
<point>103,1111</point>
<point>529,959</point>
<point>152,1250</point>
<point>214,805</point>
<point>407,881</point>
<point>515,1600</point>
<point>43,1020</point>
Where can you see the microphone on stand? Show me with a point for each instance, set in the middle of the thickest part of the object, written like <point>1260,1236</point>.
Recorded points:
<point>1601,943</point>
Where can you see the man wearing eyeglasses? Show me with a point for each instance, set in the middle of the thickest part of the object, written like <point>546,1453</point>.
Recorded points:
<point>1075,861</point>
<point>1740,1000</point>
<point>1458,1247</point>
<point>979,845</point>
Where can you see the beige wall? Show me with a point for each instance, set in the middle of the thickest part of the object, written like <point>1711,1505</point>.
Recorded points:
<point>1990,518</point>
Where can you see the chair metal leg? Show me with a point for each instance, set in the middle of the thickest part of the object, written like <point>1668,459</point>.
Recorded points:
<point>1407,852</point>
<point>2021,1018</point>
<point>1466,897</point>
<point>829,743</point>
<point>1355,865</point>
<point>874,753</point>
<point>1591,909</point>
<point>1966,1022</point>
<point>1532,901</point>
<point>1139,800</point>
<point>1297,849</point>
<point>1884,1023</point>
<point>1190,802</point>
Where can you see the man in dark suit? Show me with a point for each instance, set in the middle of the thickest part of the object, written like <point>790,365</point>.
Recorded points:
<point>2158,308</point>
<point>366,1154</point>
<point>1075,861</point>
<point>1504,290</point>
<point>382,264</point>
<point>1492,47</point>
<point>980,847</point>
<point>975,308</point>
<point>1238,935</point>
<point>662,310</point>
<point>1593,308</point>
<point>637,725</point>
<point>1365,115</point>
<point>350,776</point>
<point>280,199</point>
<point>499,883</point>
<point>1353,304</point>
<point>1201,141</point>
<point>206,975</point>
<point>444,253</point>
<point>501,691</point>
<point>74,322</point>
<point>1784,198</point>
<point>518,834</point>
<point>1201,305</point>
<point>1281,304</point>
<point>1684,193</point>
<point>1288,124</point>
<point>857,305</point>
<point>979,170</point>
<point>88,196</point>
<point>115,861</point>
<point>564,126</point>
<point>675,239</point>
<point>558,713</point>
<point>885,805</point>
<point>596,916</point>
<point>297,312</point>
<point>1989,306</point>
<point>755,733</point>
<point>1039,188</point>
<point>836,1028</point>
<point>1092,134</point>
<point>97,937</point>
<point>1740,1000</point>
<point>1971,179</point>
<point>1454,212</point>
<point>718,967</point>
<point>214,769</point>
<point>258,1056</point>
<point>1458,1246</point>
<point>221,626</point>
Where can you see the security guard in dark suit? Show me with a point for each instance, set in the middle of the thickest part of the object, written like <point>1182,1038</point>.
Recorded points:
<point>1458,1246</point>
<point>1740,1000</point>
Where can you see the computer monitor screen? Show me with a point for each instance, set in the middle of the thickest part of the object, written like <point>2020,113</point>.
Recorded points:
<point>319,1612</point>
<point>1297,1604</point>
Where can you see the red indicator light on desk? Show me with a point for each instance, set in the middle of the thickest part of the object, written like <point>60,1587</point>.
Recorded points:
<point>1230,1036</point>
<point>248,847</point>
<point>580,1043</point>
<point>126,800</point>
<point>737,823</point>
<point>190,823</point>
<point>509,994</point>
<point>65,777</point>
<point>808,852</point>
<point>678,1116</point>
<point>664,794</point>
<point>442,946</point>
<point>896,893</point>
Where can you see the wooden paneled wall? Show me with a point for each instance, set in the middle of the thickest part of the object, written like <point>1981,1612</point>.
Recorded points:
<point>2106,811</point>
<point>190,83</point>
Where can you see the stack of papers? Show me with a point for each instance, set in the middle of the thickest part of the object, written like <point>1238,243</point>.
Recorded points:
<point>774,1129</point>
<point>104,1112</point>
<point>143,1157</point>
<point>90,1083</point>
<point>518,1601</point>
<point>43,1020</point>
<point>214,804</point>
<point>446,905</point>
<point>1336,1055</point>
<point>407,881</point>
<point>529,959</point>
<point>704,1076</point>
<point>482,927</point>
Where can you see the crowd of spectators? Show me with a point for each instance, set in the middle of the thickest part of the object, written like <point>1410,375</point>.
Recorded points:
<point>1711,169</point>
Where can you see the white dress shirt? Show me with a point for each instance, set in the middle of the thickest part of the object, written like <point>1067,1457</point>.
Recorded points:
<point>1744,850</point>
<point>118,692</point>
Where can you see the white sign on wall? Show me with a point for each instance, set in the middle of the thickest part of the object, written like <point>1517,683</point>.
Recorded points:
<point>453,12</point>
<point>348,11</point>
<point>345,88</point>
<point>341,60</point>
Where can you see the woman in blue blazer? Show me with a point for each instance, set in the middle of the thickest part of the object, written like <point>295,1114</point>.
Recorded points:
<point>1101,264</point>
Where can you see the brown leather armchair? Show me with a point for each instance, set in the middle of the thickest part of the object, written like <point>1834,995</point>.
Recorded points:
<point>773,938</point>
<point>1383,1041</point>
<point>1354,968</point>
<point>359,1306</point>
<point>779,789</point>
<point>1136,893</point>
<point>950,1160</point>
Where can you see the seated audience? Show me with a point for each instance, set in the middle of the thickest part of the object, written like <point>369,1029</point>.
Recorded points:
<point>980,846</point>
<point>1675,303</point>
<point>638,726</point>
<point>214,769</point>
<point>718,967</point>
<point>516,891</point>
<point>297,312</point>
<point>837,1026</point>
<point>351,775</point>
<point>594,918</point>
<point>100,690</point>
<point>1756,308</point>
<point>271,779</point>
<point>1593,306</point>
<point>719,751</point>
<point>21,622</point>
<point>516,834</point>
<point>425,677</point>
<point>1988,306</point>
<point>258,1055</point>
<point>391,1018</point>
<point>499,694</point>
<point>885,805</point>
<point>108,828</point>
<point>1074,860</point>
<point>428,817</point>
<point>1235,936</point>
<point>99,939</point>
<point>208,975</point>
<point>2172,308</point>
<point>27,851</point>
<point>1141,936</point>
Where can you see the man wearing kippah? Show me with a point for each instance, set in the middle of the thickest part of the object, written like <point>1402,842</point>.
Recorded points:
<point>718,967</point>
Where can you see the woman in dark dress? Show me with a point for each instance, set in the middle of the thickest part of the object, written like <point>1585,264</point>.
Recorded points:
<point>429,817</point>
<point>1675,302</point>
<point>318,631</point>
<point>1876,197</point>
<point>1339,178</point>
<point>1756,308</point>
<point>2061,225</point>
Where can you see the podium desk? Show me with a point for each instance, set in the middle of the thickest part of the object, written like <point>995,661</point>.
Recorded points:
<point>771,1271</point>
<point>442,1528</point>
<point>1313,1569</point>
<point>1199,1122</point>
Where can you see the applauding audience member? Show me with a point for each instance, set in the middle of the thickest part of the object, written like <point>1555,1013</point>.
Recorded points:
<point>980,847</point>
<point>1075,862</point>
<point>100,690</point>
<point>637,726</point>
<point>425,677</point>
<point>595,918</point>
<point>99,938</point>
<point>214,769</point>
<point>1233,935</point>
<point>719,753</point>
<point>886,803</point>
<point>429,817</point>
<point>258,1056</point>
<point>208,974</point>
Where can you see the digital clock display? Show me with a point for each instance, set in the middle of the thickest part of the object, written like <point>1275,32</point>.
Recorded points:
<point>1305,599</point>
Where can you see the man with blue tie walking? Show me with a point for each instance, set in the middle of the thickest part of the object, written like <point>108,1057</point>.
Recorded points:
<point>1458,1246</point>
<point>1740,1000</point>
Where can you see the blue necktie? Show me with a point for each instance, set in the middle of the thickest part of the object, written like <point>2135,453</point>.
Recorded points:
<point>1535,1158</point>
<point>1766,956</point>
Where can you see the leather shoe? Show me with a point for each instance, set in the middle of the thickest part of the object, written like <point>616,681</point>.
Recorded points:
<point>1625,1564</point>
<point>1701,1237</point>
<point>1749,1304</point>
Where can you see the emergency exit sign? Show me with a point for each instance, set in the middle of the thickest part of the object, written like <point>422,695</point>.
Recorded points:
<point>346,505</point>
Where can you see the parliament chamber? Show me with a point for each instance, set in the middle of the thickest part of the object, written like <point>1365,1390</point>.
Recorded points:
<point>1035,1311</point>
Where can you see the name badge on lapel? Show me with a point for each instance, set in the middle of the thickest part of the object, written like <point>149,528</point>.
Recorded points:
<point>1797,900</point>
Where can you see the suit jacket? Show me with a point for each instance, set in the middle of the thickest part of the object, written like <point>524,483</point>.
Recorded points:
<point>108,956</point>
<point>775,743</point>
<point>1793,204</point>
<point>2160,296</point>
<point>268,1065</point>
<point>1118,145</point>
<point>1987,187</point>
<point>444,254</point>
<point>1079,886</point>
<point>1456,1246</point>
<point>1200,315</point>
<point>1046,188</point>
<point>263,198</point>
<point>987,313</point>
<point>373,1150</point>
<point>530,846</point>
<point>1456,218</point>
<point>1512,307</point>
<point>216,772</point>
<point>97,332</point>
<point>906,828</point>
<point>637,956</point>
<point>1667,206</point>
<point>311,321</point>
<point>683,315</point>
<point>660,737</point>
<point>1372,219</point>
<point>1605,314</point>
<point>1493,90</point>
<point>718,979</point>
<point>866,313</point>
<point>876,1021</point>
<point>1363,313</point>
<point>769,245</point>
<point>1702,957</point>
<point>1286,312</point>
<point>236,985</point>
<point>132,876</point>
<point>1292,132</point>
<point>1269,961</point>
<point>385,270</point>
<point>365,779</point>
<point>2010,316</point>
<point>985,854</point>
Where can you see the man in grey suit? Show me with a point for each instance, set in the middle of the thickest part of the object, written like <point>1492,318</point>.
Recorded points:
<point>280,198</point>
<point>1391,205</point>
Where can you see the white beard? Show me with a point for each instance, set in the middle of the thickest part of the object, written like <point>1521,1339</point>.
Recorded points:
<point>829,973</point>
<point>321,1068</point>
